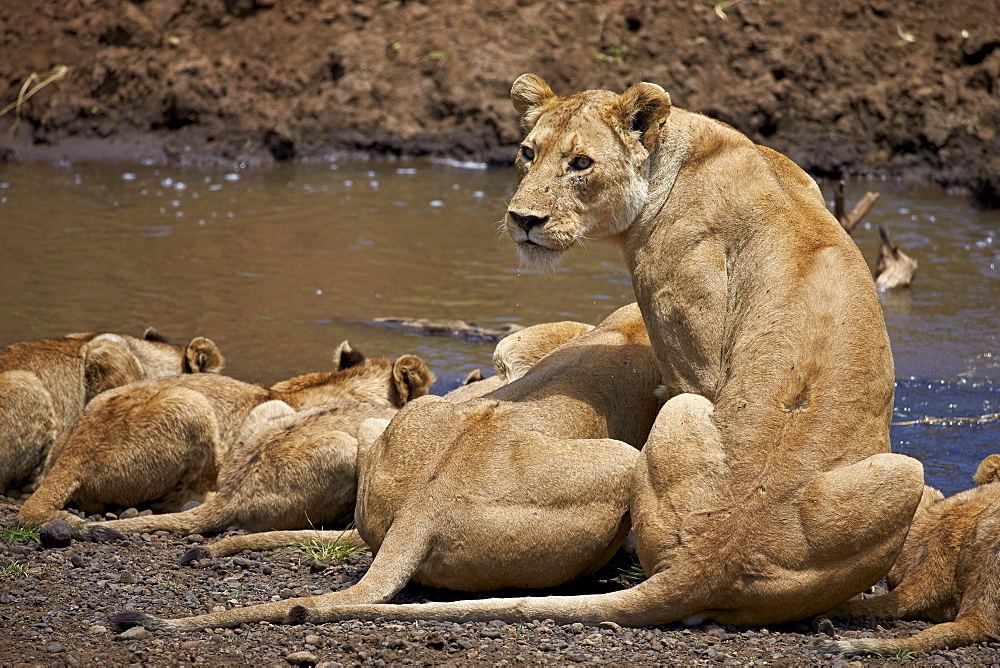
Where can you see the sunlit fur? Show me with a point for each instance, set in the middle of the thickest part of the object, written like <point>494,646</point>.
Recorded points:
<point>523,487</point>
<point>45,384</point>
<point>163,441</point>
<point>598,202</point>
<point>948,572</point>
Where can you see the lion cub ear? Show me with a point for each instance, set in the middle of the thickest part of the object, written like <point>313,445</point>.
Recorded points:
<point>988,470</point>
<point>528,94</point>
<point>344,357</point>
<point>108,363</point>
<point>203,356</point>
<point>642,109</point>
<point>411,378</point>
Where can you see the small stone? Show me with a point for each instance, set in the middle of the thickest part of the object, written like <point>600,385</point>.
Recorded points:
<point>97,629</point>
<point>316,566</point>
<point>134,633</point>
<point>491,633</point>
<point>146,513</point>
<point>196,538</point>
<point>129,513</point>
<point>330,664</point>
<point>313,639</point>
<point>127,578</point>
<point>499,624</point>
<point>76,560</point>
<point>53,648</point>
<point>190,645</point>
<point>301,659</point>
<point>613,626</point>
<point>576,627</point>
<point>55,534</point>
<point>577,657</point>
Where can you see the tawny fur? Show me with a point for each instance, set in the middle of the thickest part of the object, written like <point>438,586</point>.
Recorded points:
<point>524,487</point>
<point>288,470</point>
<point>45,384</point>
<point>165,440</point>
<point>948,572</point>
<point>474,386</point>
<point>515,355</point>
<point>766,491</point>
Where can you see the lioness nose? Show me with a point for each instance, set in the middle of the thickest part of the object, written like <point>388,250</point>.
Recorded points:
<point>527,221</point>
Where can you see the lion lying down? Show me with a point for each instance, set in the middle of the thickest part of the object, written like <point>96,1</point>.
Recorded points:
<point>948,571</point>
<point>165,440</point>
<point>524,487</point>
<point>45,384</point>
<point>288,470</point>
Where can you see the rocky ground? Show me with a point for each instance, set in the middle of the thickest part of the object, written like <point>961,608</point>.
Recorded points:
<point>905,90</point>
<point>55,605</point>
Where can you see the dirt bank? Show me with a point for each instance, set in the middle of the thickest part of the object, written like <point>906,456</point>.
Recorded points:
<point>904,90</point>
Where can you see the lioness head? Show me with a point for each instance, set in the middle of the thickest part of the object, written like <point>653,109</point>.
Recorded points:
<point>583,164</point>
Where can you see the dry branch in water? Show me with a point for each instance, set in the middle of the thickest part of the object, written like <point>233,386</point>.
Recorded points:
<point>978,419</point>
<point>894,268</point>
<point>849,220</point>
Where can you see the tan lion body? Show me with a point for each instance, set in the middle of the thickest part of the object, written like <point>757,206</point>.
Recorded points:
<point>166,439</point>
<point>288,470</point>
<point>524,487</point>
<point>45,384</point>
<point>948,572</point>
<point>766,491</point>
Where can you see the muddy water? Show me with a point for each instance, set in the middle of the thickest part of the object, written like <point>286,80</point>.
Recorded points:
<point>278,265</point>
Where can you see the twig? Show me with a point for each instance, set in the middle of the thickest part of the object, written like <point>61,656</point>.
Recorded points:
<point>849,220</point>
<point>58,72</point>
<point>979,419</point>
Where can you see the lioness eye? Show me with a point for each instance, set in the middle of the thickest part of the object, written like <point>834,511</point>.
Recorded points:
<point>527,153</point>
<point>581,162</point>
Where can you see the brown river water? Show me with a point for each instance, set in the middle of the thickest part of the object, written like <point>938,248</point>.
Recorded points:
<point>279,264</point>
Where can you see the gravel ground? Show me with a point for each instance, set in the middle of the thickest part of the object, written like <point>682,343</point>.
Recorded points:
<point>55,603</point>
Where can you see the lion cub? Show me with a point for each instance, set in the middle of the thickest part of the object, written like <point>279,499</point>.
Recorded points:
<point>948,572</point>
<point>288,470</point>
<point>166,439</point>
<point>45,384</point>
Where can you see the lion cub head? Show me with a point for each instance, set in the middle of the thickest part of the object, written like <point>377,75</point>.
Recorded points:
<point>582,165</point>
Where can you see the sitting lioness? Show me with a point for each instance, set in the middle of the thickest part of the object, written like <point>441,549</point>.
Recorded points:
<point>164,440</point>
<point>526,486</point>
<point>948,572</point>
<point>45,384</point>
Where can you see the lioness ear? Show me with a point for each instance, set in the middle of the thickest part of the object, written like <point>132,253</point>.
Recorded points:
<point>203,356</point>
<point>411,378</point>
<point>528,94</point>
<point>344,357</point>
<point>641,108</point>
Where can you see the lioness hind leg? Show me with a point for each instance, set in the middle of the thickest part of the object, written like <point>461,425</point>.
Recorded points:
<point>855,518</point>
